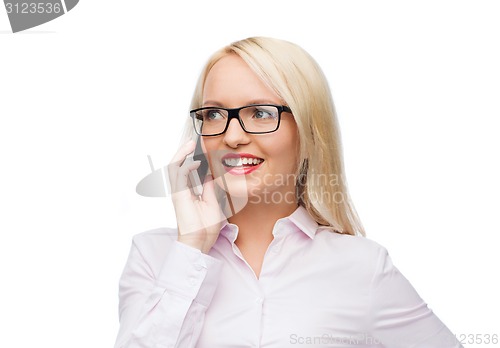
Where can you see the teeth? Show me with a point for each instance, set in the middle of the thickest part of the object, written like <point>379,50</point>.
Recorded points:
<point>238,162</point>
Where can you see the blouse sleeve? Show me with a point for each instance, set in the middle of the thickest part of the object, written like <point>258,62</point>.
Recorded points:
<point>162,304</point>
<point>399,317</point>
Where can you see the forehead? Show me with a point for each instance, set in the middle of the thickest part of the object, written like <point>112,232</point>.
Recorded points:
<point>232,83</point>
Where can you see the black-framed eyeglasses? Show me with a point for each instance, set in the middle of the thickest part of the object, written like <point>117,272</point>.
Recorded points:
<point>254,119</point>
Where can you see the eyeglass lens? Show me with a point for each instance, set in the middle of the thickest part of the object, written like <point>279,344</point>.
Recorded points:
<point>255,118</point>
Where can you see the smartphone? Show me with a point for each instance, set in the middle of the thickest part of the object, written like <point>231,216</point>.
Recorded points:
<point>197,177</point>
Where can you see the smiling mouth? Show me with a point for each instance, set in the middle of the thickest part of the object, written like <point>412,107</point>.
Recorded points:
<point>241,161</point>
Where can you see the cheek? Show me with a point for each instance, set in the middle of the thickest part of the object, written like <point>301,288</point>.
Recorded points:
<point>284,155</point>
<point>285,146</point>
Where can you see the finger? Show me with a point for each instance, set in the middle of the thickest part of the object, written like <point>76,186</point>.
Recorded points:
<point>181,183</point>
<point>178,160</point>
<point>183,151</point>
<point>187,167</point>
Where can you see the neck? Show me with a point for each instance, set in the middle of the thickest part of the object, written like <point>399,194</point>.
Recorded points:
<point>256,221</point>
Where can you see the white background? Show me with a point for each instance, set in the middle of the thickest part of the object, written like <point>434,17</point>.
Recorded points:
<point>85,98</point>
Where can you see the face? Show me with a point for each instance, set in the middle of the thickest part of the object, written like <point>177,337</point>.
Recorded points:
<point>271,159</point>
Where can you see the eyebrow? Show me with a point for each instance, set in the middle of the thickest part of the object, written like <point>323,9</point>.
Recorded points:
<point>251,102</point>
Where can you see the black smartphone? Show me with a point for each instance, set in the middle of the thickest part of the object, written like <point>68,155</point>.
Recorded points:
<point>197,177</point>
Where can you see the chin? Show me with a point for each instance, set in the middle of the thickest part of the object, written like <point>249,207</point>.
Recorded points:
<point>234,186</point>
<point>241,188</point>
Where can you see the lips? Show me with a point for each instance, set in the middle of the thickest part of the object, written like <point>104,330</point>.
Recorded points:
<point>241,163</point>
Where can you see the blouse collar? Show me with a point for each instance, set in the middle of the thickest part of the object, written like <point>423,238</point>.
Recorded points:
<point>299,220</point>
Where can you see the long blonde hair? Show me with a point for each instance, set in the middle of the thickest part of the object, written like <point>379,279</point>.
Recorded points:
<point>297,79</point>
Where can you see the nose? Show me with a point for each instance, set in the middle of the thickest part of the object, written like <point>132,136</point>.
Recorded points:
<point>235,135</point>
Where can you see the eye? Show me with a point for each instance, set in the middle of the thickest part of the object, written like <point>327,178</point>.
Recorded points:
<point>199,116</point>
<point>212,114</point>
<point>263,113</point>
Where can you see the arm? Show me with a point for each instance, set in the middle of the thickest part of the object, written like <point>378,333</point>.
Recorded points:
<point>164,296</point>
<point>399,317</point>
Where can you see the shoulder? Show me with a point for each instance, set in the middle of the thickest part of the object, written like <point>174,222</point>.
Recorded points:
<point>346,243</point>
<point>155,236</point>
<point>357,251</point>
<point>153,244</point>
<point>350,261</point>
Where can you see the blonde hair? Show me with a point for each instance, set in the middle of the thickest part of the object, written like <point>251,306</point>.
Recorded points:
<point>298,80</point>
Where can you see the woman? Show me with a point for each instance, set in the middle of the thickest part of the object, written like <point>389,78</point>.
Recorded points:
<point>279,258</point>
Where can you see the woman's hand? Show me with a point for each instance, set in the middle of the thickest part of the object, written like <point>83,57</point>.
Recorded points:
<point>198,217</point>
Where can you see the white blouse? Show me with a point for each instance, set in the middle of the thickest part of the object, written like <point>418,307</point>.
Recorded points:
<point>316,288</point>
